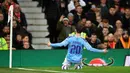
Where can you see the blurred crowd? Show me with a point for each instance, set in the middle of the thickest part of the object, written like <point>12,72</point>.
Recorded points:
<point>22,39</point>
<point>105,23</point>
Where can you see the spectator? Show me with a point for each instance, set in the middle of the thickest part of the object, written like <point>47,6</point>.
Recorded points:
<point>124,41</point>
<point>94,41</point>
<point>82,22</point>
<point>52,15</point>
<point>3,43</point>
<point>19,16</point>
<point>103,7</point>
<point>16,29</point>
<point>63,8</point>
<point>64,29</point>
<point>118,24</point>
<point>97,11</point>
<point>99,21</point>
<point>43,4</point>
<point>105,23</point>
<point>105,28</point>
<point>117,7</point>
<point>103,34</point>
<point>118,33</point>
<point>78,14</point>
<point>71,19</point>
<point>105,44</point>
<point>6,30</point>
<point>112,16</point>
<point>6,4</point>
<point>88,5</point>
<point>114,2</point>
<point>25,38</point>
<point>7,38</point>
<point>111,41</point>
<point>126,19</point>
<point>89,28</point>
<point>2,21</point>
<point>122,11</point>
<point>91,14</point>
<point>74,3</point>
<point>5,7</point>
<point>21,30</point>
<point>17,43</point>
<point>118,17</point>
<point>27,46</point>
<point>26,42</point>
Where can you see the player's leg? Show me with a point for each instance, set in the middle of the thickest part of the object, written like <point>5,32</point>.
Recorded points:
<point>78,65</point>
<point>66,64</point>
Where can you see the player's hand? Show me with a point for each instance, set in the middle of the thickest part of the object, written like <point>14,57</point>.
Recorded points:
<point>49,44</point>
<point>105,50</point>
<point>104,46</point>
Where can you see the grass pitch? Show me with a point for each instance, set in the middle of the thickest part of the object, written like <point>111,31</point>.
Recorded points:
<point>58,70</point>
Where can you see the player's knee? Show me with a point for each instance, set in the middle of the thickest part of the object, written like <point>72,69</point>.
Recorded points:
<point>65,67</point>
<point>78,67</point>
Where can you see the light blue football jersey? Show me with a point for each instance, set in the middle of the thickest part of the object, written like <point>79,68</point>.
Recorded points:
<point>75,47</point>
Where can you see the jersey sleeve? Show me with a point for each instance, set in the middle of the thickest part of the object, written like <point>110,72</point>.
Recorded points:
<point>63,43</point>
<point>90,48</point>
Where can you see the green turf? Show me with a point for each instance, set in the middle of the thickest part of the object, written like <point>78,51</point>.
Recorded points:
<point>84,70</point>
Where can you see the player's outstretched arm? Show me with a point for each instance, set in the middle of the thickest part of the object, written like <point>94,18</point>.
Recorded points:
<point>63,43</point>
<point>89,47</point>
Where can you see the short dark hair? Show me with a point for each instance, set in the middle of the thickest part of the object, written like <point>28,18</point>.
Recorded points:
<point>93,34</point>
<point>112,6</point>
<point>24,35</point>
<point>79,28</point>
<point>105,20</point>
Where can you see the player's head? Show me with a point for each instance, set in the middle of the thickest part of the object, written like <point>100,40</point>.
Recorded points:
<point>79,28</point>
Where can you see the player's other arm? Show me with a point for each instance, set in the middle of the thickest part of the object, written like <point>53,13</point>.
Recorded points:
<point>63,43</point>
<point>89,47</point>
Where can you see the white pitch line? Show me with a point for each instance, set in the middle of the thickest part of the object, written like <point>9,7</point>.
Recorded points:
<point>45,70</point>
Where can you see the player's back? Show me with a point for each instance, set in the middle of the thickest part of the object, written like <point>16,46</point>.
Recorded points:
<point>75,48</point>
